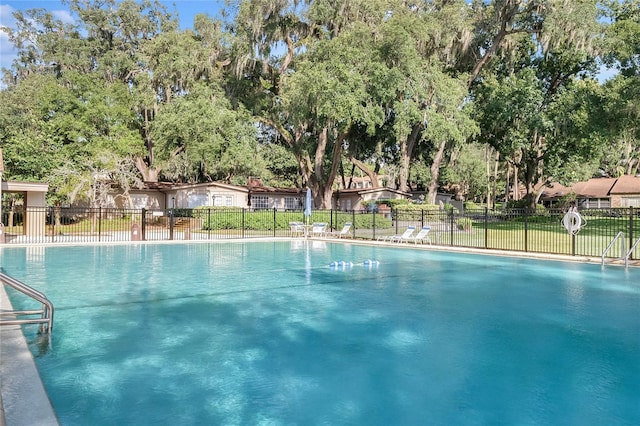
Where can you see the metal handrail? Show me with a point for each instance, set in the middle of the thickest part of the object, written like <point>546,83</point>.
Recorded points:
<point>46,313</point>
<point>628,255</point>
<point>619,235</point>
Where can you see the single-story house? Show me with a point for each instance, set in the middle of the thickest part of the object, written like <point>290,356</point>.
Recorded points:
<point>626,192</point>
<point>161,196</point>
<point>356,199</point>
<point>598,193</point>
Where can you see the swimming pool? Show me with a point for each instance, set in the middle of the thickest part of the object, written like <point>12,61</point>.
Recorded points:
<point>268,333</point>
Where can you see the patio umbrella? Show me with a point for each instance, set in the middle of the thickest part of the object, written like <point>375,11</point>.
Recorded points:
<point>307,206</point>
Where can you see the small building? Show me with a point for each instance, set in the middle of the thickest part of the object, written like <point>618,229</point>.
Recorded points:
<point>594,193</point>
<point>357,199</point>
<point>597,193</point>
<point>254,195</point>
<point>33,205</point>
<point>625,192</point>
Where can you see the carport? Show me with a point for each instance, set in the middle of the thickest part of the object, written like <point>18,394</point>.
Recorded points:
<point>35,212</point>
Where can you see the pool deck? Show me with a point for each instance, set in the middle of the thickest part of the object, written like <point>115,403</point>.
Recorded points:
<point>24,401</point>
<point>23,398</point>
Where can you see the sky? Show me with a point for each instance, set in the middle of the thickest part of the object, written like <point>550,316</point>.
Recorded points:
<point>185,9</point>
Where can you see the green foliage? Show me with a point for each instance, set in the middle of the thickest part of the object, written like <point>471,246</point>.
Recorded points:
<point>215,141</point>
<point>419,207</point>
<point>393,202</point>
<point>379,81</point>
<point>470,205</point>
<point>215,218</point>
<point>464,224</point>
<point>540,210</point>
<point>465,171</point>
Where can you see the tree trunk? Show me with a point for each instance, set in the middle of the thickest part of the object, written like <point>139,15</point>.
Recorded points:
<point>406,150</point>
<point>435,173</point>
<point>516,184</point>
<point>375,183</point>
<point>149,174</point>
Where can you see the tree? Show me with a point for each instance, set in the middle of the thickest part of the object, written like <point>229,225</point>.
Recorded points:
<point>620,112</point>
<point>218,143</point>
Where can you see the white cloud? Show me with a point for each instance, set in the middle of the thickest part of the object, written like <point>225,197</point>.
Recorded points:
<point>63,15</point>
<point>6,14</point>
<point>7,51</point>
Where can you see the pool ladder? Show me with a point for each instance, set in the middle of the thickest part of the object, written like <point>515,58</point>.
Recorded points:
<point>42,316</point>
<point>625,257</point>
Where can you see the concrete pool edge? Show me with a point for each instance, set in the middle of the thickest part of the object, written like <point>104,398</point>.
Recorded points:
<point>22,395</point>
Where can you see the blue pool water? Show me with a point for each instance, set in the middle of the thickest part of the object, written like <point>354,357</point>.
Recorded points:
<point>268,333</point>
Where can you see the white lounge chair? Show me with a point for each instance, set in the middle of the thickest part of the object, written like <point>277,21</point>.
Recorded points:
<point>422,236</point>
<point>297,229</point>
<point>344,232</point>
<point>392,238</point>
<point>319,229</point>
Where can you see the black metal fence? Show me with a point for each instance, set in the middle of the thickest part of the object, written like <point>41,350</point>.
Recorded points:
<point>515,230</point>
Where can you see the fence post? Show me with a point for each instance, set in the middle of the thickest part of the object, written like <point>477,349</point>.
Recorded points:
<point>451,227</point>
<point>486,227</point>
<point>243,209</point>
<point>373,223</point>
<point>143,216</point>
<point>395,214</point>
<point>630,232</point>
<point>208,223</point>
<point>52,213</point>
<point>274,221</point>
<point>353,223</point>
<point>171,224</point>
<point>99,223</point>
<point>331,219</point>
<point>526,229</point>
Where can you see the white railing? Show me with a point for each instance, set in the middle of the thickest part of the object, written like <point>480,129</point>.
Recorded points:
<point>43,316</point>
<point>619,236</point>
<point>628,255</point>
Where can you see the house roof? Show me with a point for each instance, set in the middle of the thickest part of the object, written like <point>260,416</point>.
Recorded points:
<point>166,186</point>
<point>15,186</point>
<point>626,184</point>
<point>554,190</point>
<point>594,188</point>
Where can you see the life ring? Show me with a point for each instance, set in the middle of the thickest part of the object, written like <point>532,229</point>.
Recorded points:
<point>572,221</point>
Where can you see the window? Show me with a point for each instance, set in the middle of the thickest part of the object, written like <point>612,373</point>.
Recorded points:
<point>630,202</point>
<point>218,200</point>
<point>259,202</point>
<point>196,200</point>
<point>291,203</point>
<point>222,200</point>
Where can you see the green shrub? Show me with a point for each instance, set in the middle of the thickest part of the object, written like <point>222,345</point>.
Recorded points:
<point>464,223</point>
<point>395,202</point>
<point>449,208</point>
<point>470,205</point>
<point>429,212</point>
<point>265,220</point>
